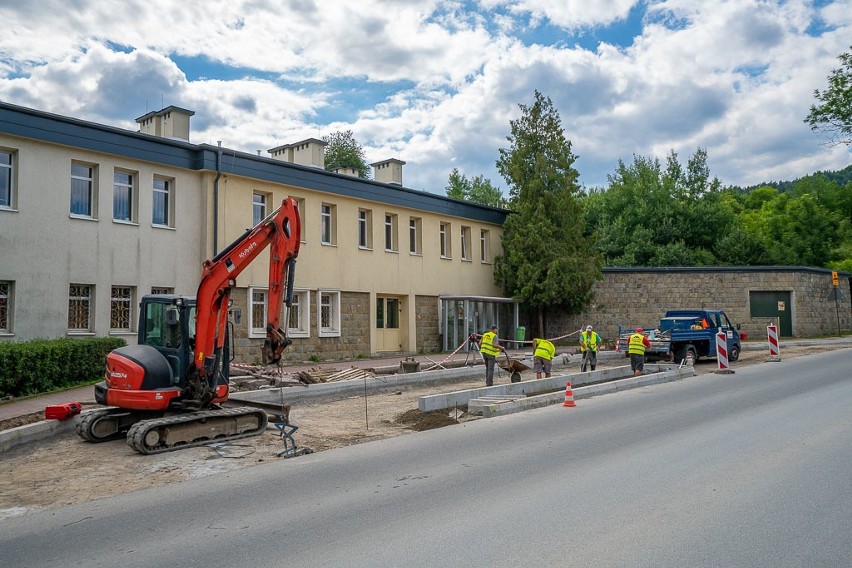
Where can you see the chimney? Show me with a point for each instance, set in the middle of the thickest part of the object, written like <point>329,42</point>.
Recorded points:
<point>346,170</point>
<point>388,171</point>
<point>171,122</point>
<point>310,152</point>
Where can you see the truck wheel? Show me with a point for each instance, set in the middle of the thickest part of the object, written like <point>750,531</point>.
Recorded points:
<point>734,354</point>
<point>688,351</point>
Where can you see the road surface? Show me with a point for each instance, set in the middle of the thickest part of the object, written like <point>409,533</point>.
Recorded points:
<point>750,469</point>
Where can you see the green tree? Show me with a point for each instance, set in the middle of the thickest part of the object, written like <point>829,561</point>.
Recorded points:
<point>546,260</point>
<point>833,113</point>
<point>476,190</point>
<point>342,150</point>
<point>660,215</point>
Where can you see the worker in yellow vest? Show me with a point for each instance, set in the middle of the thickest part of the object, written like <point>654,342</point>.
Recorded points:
<point>589,343</point>
<point>543,354</point>
<point>636,349</point>
<point>490,347</point>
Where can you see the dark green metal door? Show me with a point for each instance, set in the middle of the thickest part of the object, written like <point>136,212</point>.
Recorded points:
<point>773,305</point>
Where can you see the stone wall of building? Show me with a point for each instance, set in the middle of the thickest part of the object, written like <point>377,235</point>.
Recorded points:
<point>426,311</point>
<point>353,342</point>
<point>640,297</point>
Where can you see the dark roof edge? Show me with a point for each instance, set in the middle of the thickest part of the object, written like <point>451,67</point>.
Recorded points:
<point>58,129</point>
<point>664,269</point>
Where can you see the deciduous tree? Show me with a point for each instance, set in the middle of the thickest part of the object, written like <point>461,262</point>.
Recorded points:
<point>833,112</point>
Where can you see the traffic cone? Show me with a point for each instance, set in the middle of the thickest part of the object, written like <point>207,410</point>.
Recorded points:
<point>569,395</point>
<point>618,345</point>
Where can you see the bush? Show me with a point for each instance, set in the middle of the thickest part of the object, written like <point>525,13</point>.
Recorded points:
<point>44,365</point>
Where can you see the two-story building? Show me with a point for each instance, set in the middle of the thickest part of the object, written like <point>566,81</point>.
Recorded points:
<point>92,217</point>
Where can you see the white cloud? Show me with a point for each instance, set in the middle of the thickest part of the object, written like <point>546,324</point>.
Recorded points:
<point>734,76</point>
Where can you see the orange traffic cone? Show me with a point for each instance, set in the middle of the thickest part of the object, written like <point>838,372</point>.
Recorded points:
<point>569,395</point>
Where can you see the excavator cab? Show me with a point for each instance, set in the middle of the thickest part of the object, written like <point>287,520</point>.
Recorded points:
<point>168,325</point>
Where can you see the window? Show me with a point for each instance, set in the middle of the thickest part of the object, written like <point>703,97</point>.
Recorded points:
<point>298,321</point>
<point>7,179</point>
<point>123,197</point>
<point>163,202</point>
<point>327,217</point>
<point>365,229</point>
<point>391,238</point>
<point>329,313</point>
<point>485,245</point>
<point>465,243</point>
<point>83,190</point>
<point>162,290</point>
<point>446,245</point>
<point>257,312</point>
<point>259,203</point>
<point>300,203</point>
<point>80,307</point>
<point>415,243</point>
<point>5,306</point>
<point>121,309</point>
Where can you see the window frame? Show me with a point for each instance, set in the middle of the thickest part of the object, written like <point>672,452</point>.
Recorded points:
<point>259,209</point>
<point>115,303</point>
<point>169,208</point>
<point>88,301</point>
<point>391,232</point>
<point>365,229</point>
<point>332,330</point>
<point>300,204</point>
<point>328,225</point>
<point>302,303</point>
<point>485,246</point>
<point>465,243</point>
<point>415,236</point>
<point>7,307</point>
<point>8,175</point>
<point>445,232</point>
<point>257,329</point>
<point>133,195</point>
<point>91,190</point>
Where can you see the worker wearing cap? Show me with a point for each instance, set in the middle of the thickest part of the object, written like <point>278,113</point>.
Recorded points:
<point>490,347</point>
<point>636,349</point>
<point>589,342</point>
<point>543,354</point>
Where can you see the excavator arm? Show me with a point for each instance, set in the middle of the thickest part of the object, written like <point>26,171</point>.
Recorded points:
<point>281,231</point>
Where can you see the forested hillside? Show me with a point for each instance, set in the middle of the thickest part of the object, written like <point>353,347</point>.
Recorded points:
<point>668,214</point>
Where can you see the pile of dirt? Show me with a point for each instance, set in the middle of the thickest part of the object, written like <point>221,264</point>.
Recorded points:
<point>420,421</point>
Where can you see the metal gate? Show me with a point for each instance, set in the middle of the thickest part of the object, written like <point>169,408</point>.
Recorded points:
<point>773,305</point>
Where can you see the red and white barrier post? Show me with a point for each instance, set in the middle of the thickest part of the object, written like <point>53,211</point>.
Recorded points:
<point>774,349</point>
<point>722,353</point>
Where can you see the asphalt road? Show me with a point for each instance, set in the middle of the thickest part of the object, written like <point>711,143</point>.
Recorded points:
<point>751,469</point>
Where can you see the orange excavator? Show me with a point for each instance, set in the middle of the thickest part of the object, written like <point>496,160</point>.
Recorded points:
<point>166,392</point>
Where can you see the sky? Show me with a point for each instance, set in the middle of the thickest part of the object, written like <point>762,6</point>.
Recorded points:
<point>436,83</point>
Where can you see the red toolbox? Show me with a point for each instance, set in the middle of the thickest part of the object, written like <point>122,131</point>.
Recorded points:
<point>62,411</point>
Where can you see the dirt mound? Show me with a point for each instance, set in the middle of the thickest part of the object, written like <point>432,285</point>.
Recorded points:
<point>420,421</point>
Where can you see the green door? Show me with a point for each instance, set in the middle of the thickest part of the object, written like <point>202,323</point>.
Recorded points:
<point>773,305</point>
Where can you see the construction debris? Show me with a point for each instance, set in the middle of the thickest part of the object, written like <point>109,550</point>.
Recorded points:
<point>317,375</point>
<point>257,377</point>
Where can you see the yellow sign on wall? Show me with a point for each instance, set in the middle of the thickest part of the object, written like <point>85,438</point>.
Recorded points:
<point>834,280</point>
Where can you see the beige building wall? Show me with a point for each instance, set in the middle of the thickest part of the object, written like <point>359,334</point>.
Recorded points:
<point>346,267</point>
<point>44,249</point>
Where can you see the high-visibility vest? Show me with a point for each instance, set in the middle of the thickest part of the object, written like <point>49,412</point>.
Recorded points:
<point>636,346</point>
<point>590,338</point>
<point>486,346</point>
<point>544,349</point>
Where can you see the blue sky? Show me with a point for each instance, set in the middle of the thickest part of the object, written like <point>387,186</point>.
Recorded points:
<point>436,83</point>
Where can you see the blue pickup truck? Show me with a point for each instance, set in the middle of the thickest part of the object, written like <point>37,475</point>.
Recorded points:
<point>689,333</point>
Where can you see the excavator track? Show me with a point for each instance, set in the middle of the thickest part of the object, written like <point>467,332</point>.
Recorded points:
<point>192,429</point>
<point>106,424</point>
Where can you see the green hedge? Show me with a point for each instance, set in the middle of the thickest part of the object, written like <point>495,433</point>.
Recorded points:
<point>44,365</point>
